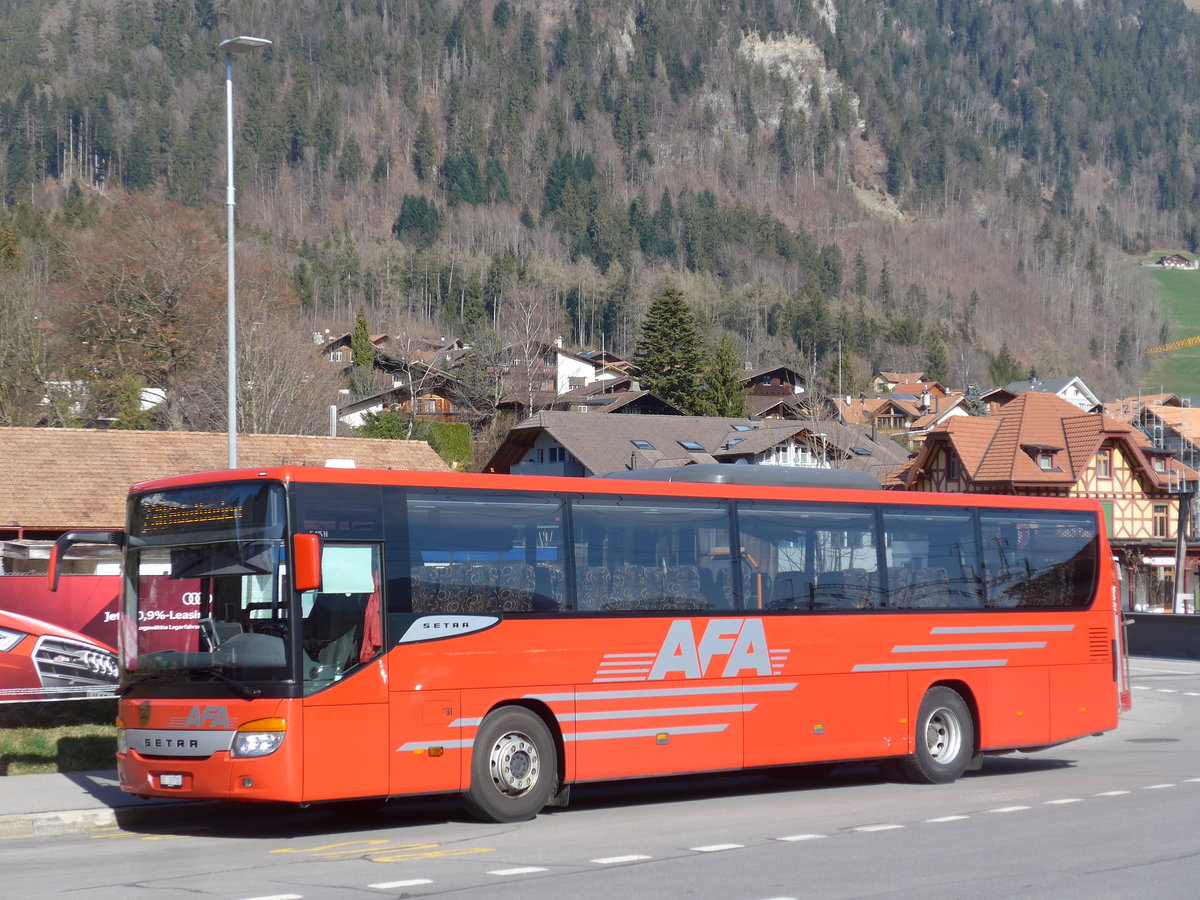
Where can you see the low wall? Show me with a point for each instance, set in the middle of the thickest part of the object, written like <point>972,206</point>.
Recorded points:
<point>1165,635</point>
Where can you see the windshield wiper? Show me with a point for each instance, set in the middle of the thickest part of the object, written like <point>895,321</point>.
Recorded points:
<point>246,690</point>
<point>135,680</point>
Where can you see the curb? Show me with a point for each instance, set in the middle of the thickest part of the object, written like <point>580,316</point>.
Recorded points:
<point>71,821</point>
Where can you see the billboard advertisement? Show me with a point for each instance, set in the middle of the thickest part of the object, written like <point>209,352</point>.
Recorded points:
<point>58,646</point>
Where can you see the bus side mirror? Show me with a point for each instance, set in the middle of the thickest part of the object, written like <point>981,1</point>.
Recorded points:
<point>306,562</point>
<point>59,551</point>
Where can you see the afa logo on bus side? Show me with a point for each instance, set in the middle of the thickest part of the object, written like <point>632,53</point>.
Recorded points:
<point>741,644</point>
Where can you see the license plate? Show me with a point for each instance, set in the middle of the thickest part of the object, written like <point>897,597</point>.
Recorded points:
<point>170,781</point>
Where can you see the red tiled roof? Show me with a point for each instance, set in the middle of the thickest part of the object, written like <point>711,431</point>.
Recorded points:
<point>1001,449</point>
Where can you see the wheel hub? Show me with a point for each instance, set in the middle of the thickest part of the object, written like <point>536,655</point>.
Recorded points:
<point>942,737</point>
<point>515,764</point>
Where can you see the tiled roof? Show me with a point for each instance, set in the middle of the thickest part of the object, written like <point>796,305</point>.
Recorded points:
<point>995,450</point>
<point>1127,408</point>
<point>76,478</point>
<point>1183,419</point>
<point>607,446</point>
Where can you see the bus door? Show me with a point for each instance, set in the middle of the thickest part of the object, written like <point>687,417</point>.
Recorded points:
<point>345,727</point>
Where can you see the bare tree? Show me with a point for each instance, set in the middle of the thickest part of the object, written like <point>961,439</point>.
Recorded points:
<point>145,299</point>
<point>527,326</point>
<point>24,360</point>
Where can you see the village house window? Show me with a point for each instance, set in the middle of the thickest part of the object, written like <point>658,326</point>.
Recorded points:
<point>1160,520</point>
<point>1104,464</point>
<point>1160,464</point>
<point>1045,461</point>
<point>952,467</point>
<point>335,356</point>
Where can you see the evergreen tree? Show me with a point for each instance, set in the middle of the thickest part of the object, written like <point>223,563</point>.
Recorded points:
<point>668,351</point>
<point>419,220</point>
<point>722,392</point>
<point>1003,368</point>
<point>424,156</point>
<point>362,357</point>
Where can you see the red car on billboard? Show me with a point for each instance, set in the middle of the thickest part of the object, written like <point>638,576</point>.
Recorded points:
<point>42,661</point>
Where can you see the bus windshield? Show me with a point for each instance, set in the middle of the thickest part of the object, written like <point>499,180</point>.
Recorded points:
<point>204,598</point>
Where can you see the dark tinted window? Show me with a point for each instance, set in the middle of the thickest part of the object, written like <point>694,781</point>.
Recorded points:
<point>636,553</point>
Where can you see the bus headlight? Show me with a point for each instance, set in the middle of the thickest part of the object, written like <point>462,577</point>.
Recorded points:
<point>261,737</point>
<point>122,738</point>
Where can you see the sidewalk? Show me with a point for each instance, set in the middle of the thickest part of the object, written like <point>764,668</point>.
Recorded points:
<point>72,803</point>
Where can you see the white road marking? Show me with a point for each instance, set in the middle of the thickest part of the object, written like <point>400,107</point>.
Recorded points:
<point>947,819</point>
<point>877,827</point>
<point>792,838</point>
<point>1008,809</point>
<point>1112,793</point>
<point>716,848</point>
<point>1063,801</point>
<point>391,885</point>
<point>611,860</point>
<point>520,870</point>
<point>1157,787</point>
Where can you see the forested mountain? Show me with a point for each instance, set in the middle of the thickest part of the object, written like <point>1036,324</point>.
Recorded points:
<point>960,187</point>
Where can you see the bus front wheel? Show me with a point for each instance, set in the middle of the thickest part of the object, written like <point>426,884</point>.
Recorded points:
<point>945,739</point>
<point>514,767</point>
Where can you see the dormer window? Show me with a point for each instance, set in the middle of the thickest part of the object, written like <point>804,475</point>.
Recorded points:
<point>1044,456</point>
<point>1160,464</point>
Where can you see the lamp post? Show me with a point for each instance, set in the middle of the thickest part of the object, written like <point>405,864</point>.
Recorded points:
<point>233,47</point>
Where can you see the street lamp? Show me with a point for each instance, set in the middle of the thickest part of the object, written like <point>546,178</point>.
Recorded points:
<point>233,47</point>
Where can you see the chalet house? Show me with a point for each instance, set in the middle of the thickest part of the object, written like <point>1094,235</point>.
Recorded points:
<point>776,392</point>
<point>886,382</point>
<point>1073,390</point>
<point>613,395</point>
<point>338,349</point>
<point>569,443</point>
<point>1042,445</point>
<point>1177,261</point>
<point>430,393</point>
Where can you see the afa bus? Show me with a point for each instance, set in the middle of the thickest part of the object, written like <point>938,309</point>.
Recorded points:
<point>313,635</point>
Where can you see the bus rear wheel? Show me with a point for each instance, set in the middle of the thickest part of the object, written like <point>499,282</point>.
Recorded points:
<point>514,767</point>
<point>945,739</point>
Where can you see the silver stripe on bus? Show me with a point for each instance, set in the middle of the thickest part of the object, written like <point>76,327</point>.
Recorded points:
<point>649,713</point>
<point>425,745</point>
<point>665,692</point>
<point>934,664</point>
<point>999,629</point>
<point>965,648</point>
<point>645,732</point>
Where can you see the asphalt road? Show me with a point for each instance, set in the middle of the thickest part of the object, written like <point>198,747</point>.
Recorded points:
<point>1109,816</point>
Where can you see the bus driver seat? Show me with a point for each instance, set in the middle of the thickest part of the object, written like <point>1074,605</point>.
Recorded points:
<point>333,628</point>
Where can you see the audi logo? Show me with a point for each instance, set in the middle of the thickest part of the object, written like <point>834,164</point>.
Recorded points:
<point>100,663</point>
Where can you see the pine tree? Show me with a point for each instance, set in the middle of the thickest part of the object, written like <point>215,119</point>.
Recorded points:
<point>722,393</point>
<point>668,352</point>
<point>362,357</point>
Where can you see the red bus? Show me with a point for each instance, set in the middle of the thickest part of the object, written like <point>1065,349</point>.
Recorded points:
<point>313,635</point>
